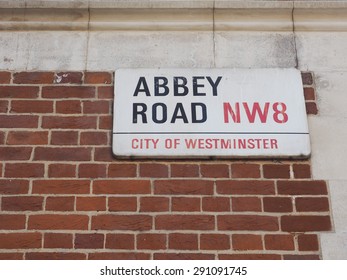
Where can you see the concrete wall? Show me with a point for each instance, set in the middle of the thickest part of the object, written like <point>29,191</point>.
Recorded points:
<point>310,35</point>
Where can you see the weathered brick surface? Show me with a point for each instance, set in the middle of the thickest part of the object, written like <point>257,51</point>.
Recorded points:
<point>151,241</point>
<point>243,242</point>
<point>33,78</point>
<point>120,241</point>
<point>5,77</point>
<point>68,78</point>
<point>64,196</point>
<point>58,240</point>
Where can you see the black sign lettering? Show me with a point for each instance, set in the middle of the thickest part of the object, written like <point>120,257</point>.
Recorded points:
<point>160,86</point>
<point>142,87</point>
<point>213,84</point>
<point>163,110</point>
<point>139,109</point>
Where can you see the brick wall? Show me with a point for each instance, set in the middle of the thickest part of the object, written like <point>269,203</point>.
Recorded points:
<point>63,195</point>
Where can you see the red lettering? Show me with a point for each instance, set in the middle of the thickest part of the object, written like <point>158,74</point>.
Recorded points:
<point>228,110</point>
<point>256,110</point>
<point>274,144</point>
<point>190,143</point>
<point>135,144</point>
<point>144,143</point>
<point>280,115</point>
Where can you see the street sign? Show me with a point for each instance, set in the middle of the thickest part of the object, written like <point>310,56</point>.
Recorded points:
<point>204,113</point>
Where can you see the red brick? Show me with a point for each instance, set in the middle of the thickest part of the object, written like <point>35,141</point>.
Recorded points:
<point>14,187</point>
<point>22,203</point>
<point>11,256</point>
<point>4,106</point>
<point>302,171</point>
<point>12,222</point>
<point>57,170</point>
<point>61,187</point>
<point>122,204</point>
<point>68,107</point>
<point>19,92</point>
<point>24,170</point>
<point>120,241</point>
<point>182,241</point>
<point>119,256</point>
<point>154,204</point>
<point>311,108</point>
<point>90,170</point>
<point>58,240</point>
<point>33,78</point>
<point>97,107</point>
<point>105,92</point>
<point>105,122</point>
<point>249,257</point>
<point>313,187</point>
<point>263,187</point>
<point>2,137</point>
<point>245,170</point>
<point>58,222</point>
<point>91,203</point>
<point>29,106</point>
<point>183,187</point>
<point>279,242</point>
<point>27,240</point>
<point>55,256</point>
<point>216,204</point>
<point>5,77</point>
<point>251,204</point>
<point>308,242</point>
<point>64,137</point>
<point>62,154</point>
<point>68,78</point>
<point>154,170</point>
<point>247,222</point>
<point>93,138</point>
<point>122,222</point>
<point>245,242</point>
<point>60,203</point>
<point>184,222</point>
<point>307,78</point>
<point>103,154</point>
<point>183,256</point>
<point>185,170</point>
<point>27,138</point>
<point>277,204</point>
<point>151,241</point>
<point>309,93</point>
<point>301,257</point>
<point>274,171</point>
<point>122,170</point>
<point>122,187</point>
<point>305,223</point>
<point>89,241</point>
<point>186,204</point>
<point>62,92</point>
<point>215,170</point>
<point>97,78</point>
<point>15,153</point>
<point>58,122</point>
<point>312,204</point>
<point>22,121</point>
<point>214,242</point>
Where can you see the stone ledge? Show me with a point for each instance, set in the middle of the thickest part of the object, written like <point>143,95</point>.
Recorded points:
<point>171,4</point>
<point>273,19</point>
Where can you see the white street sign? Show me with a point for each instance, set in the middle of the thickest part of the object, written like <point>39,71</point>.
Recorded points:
<point>230,113</point>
